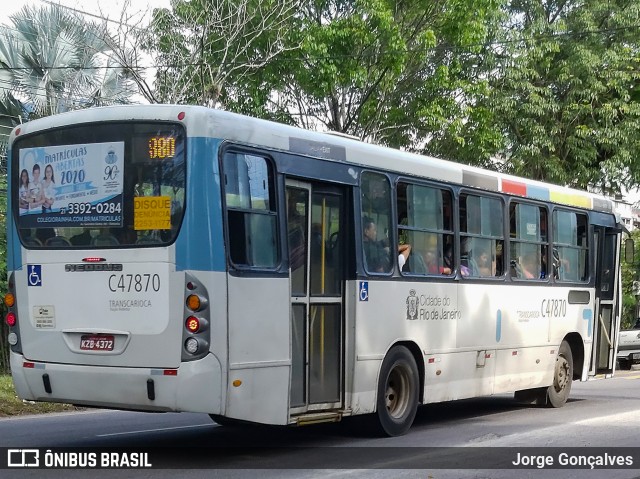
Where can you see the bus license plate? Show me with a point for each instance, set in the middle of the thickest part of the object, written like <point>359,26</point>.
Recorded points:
<point>636,356</point>
<point>96,343</point>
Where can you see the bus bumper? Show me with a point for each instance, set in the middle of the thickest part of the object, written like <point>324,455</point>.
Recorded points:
<point>195,386</point>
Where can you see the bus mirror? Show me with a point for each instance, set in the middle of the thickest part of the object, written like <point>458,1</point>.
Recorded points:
<point>629,250</point>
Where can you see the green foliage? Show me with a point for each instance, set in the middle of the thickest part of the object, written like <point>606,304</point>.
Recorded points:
<point>562,92</point>
<point>396,73</point>
<point>10,405</point>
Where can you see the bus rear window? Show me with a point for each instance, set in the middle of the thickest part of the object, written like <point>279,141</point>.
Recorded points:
<point>98,186</point>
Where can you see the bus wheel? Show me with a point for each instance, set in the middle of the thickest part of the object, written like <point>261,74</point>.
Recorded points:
<point>624,364</point>
<point>558,392</point>
<point>397,402</point>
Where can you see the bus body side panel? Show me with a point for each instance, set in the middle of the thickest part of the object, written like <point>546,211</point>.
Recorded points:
<point>475,339</point>
<point>259,349</point>
<point>394,311</point>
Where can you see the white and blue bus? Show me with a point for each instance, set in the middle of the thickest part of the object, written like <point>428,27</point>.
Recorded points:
<point>179,258</point>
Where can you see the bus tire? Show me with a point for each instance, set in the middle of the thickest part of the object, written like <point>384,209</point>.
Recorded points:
<point>624,364</point>
<point>558,392</point>
<point>397,401</point>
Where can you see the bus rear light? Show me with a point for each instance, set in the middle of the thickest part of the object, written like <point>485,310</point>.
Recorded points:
<point>193,302</point>
<point>12,338</point>
<point>191,286</point>
<point>11,319</point>
<point>181,115</point>
<point>93,259</point>
<point>9,300</point>
<point>192,346</point>
<point>170,372</point>
<point>28,364</point>
<point>193,324</point>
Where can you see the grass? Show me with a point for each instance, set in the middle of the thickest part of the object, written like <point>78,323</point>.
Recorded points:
<point>11,405</point>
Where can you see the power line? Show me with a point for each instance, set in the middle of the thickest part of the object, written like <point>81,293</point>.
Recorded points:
<point>99,17</point>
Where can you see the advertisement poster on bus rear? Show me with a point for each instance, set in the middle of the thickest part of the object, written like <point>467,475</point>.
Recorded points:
<point>71,185</point>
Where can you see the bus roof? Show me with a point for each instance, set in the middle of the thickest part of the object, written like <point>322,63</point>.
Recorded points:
<point>207,122</point>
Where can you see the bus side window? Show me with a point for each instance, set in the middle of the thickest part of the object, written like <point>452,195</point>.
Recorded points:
<point>570,247</point>
<point>482,236</point>
<point>251,215</point>
<point>376,222</point>
<point>528,241</point>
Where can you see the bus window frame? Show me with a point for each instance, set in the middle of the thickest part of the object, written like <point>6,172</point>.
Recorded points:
<point>359,223</point>
<point>13,192</point>
<point>504,200</point>
<point>547,206</point>
<point>442,186</point>
<point>589,262</point>
<point>231,148</point>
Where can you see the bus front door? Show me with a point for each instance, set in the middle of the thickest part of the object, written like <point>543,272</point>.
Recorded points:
<point>315,216</point>
<point>607,290</point>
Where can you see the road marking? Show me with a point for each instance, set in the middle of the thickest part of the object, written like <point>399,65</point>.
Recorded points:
<point>155,430</point>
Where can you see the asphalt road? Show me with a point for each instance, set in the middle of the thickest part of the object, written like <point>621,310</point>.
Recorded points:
<point>602,415</point>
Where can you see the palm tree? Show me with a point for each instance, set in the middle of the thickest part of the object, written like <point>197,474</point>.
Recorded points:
<point>53,61</point>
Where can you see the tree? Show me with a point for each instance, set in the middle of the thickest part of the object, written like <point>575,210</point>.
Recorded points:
<point>53,61</point>
<point>397,73</point>
<point>205,48</point>
<point>565,92</point>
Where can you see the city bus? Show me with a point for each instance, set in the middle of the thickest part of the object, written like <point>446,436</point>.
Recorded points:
<point>179,258</point>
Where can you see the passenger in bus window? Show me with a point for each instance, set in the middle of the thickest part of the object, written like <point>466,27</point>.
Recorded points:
<point>484,264</point>
<point>376,255</point>
<point>529,267</point>
<point>431,262</point>
<point>561,266</point>
<point>448,260</point>
<point>404,250</point>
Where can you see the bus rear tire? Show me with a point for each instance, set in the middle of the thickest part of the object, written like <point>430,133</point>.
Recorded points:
<point>558,392</point>
<point>397,401</point>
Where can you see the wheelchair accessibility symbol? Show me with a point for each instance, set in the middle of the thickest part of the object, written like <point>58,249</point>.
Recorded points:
<point>34,275</point>
<point>363,291</point>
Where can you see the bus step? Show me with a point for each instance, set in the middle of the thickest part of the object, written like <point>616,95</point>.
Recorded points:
<point>316,418</point>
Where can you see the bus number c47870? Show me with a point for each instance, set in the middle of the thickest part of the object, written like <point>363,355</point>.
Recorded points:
<point>554,308</point>
<point>134,283</point>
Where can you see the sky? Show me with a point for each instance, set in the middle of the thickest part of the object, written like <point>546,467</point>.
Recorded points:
<point>106,8</point>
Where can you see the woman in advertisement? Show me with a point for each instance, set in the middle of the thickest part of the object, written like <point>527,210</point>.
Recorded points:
<point>23,192</point>
<point>48,189</point>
